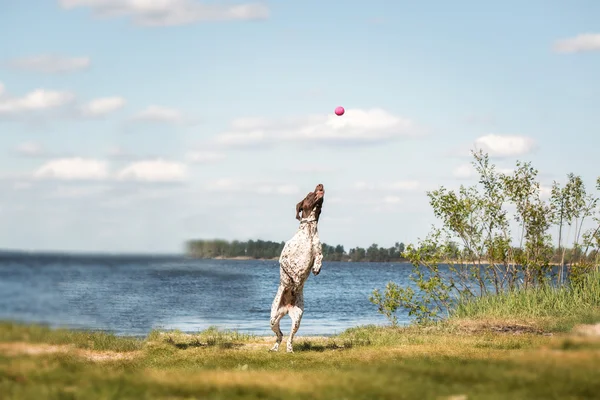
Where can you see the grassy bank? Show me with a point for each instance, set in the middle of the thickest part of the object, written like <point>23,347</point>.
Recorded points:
<point>554,308</point>
<point>459,359</point>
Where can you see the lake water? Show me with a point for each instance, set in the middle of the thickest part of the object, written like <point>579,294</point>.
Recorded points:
<point>133,295</point>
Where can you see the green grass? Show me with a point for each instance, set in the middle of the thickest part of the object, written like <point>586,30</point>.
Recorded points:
<point>313,377</point>
<point>207,338</point>
<point>561,307</point>
<point>369,362</point>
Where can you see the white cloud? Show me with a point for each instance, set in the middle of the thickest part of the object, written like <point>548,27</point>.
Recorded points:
<point>153,13</point>
<point>480,119</point>
<point>118,152</point>
<point>467,171</point>
<point>224,184</point>
<point>505,145</point>
<point>159,114</point>
<point>335,200</point>
<point>30,149</point>
<point>145,171</point>
<point>153,171</point>
<point>400,186</point>
<point>75,168</point>
<point>391,199</point>
<point>464,171</point>
<point>102,106</point>
<point>380,203</point>
<point>286,189</point>
<point>403,185</point>
<point>239,186</point>
<point>37,100</point>
<point>22,185</point>
<point>356,126</point>
<point>579,43</point>
<point>545,192</point>
<point>241,139</point>
<point>50,64</point>
<point>312,169</point>
<point>204,157</point>
<point>70,192</point>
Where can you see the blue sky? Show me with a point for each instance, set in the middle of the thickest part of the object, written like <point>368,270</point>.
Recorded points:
<point>134,125</point>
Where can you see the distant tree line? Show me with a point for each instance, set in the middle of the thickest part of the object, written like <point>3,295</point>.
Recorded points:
<point>266,249</point>
<point>373,253</point>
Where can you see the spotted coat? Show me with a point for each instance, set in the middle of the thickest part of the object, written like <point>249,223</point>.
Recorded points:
<point>300,255</point>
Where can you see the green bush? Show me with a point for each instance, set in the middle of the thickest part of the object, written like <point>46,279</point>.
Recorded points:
<point>475,255</point>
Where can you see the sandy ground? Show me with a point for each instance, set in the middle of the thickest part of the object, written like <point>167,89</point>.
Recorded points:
<point>587,330</point>
<point>17,348</point>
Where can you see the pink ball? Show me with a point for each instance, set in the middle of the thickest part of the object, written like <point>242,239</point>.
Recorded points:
<point>339,111</point>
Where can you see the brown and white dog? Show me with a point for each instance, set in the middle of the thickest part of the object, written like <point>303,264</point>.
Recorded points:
<point>300,255</point>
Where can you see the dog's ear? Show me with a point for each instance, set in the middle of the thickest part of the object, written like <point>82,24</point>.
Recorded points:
<point>319,205</point>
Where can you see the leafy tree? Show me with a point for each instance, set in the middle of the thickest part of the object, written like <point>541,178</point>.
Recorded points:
<point>475,253</point>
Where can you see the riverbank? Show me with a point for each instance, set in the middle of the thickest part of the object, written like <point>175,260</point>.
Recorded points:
<point>458,359</point>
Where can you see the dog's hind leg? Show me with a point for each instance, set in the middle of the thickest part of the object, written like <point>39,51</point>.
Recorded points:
<point>277,312</point>
<point>296,312</point>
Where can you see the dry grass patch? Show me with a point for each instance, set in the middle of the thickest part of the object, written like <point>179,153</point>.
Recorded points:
<point>37,349</point>
<point>496,325</point>
<point>18,348</point>
<point>587,330</point>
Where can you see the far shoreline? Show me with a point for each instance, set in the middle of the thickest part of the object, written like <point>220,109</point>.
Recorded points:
<point>246,258</point>
<point>403,261</point>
